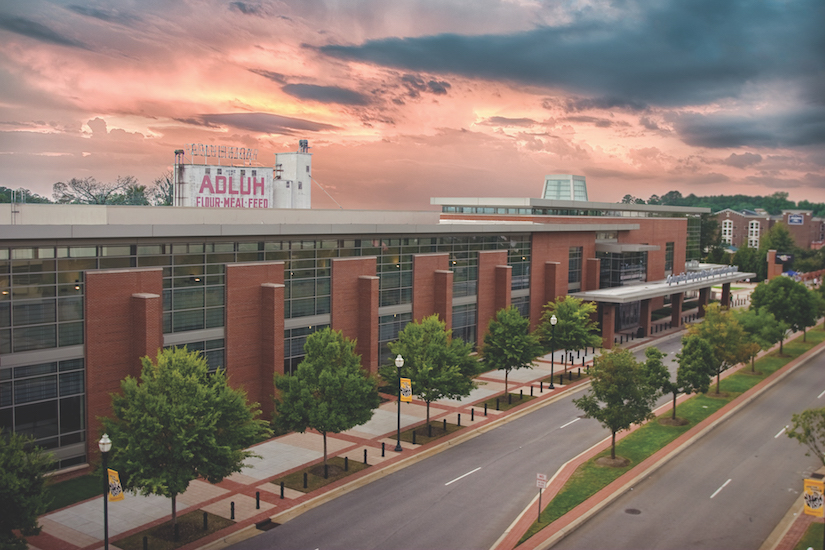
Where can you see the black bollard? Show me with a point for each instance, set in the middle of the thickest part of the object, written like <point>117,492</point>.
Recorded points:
<point>541,386</point>
<point>305,480</point>
<point>459,419</point>
<point>578,353</point>
<point>282,490</point>
<point>561,379</point>
<point>509,398</point>
<point>485,409</point>
<point>496,403</point>
<point>257,500</point>
<point>521,394</point>
<point>413,437</point>
<point>326,471</point>
<point>472,415</point>
<point>232,508</point>
<point>365,455</point>
<point>146,542</point>
<point>346,464</point>
<point>445,424</point>
<point>580,372</point>
<point>382,451</point>
<point>205,521</point>
<point>570,375</point>
<point>531,390</point>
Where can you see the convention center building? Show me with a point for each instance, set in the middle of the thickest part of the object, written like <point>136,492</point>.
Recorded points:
<point>86,291</point>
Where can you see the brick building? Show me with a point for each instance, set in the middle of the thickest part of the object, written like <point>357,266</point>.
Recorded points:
<point>85,291</point>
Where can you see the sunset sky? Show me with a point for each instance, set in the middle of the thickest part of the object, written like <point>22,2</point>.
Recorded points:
<point>403,100</point>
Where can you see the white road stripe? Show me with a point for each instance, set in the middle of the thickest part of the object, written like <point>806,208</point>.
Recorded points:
<point>576,420</point>
<point>465,475</point>
<point>780,432</point>
<point>820,395</point>
<point>719,489</point>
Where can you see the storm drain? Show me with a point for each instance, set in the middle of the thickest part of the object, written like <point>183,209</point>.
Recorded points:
<point>266,525</point>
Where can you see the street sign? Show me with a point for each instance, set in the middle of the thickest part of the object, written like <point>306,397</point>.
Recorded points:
<point>541,481</point>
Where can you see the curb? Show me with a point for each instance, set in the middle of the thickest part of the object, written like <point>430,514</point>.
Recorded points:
<point>637,477</point>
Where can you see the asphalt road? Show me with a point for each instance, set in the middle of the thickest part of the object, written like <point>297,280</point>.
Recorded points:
<point>464,497</point>
<point>729,490</point>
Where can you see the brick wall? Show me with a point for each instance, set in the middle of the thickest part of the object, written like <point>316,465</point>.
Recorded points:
<point>354,302</point>
<point>490,292</point>
<point>426,292</point>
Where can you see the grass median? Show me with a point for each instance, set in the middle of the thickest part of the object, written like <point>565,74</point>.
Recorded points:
<point>590,478</point>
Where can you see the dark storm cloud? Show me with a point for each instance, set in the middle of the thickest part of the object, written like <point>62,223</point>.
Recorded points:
<point>275,77</point>
<point>326,94</point>
<point>33,29</point>
<point>606,103</point>
<point>416,84</point>
<point>743,161</point>
<point>265,123</point>
<point>800,128</point>
<point>596,121</point>
<point>110,16</point>
<point>677,52</point>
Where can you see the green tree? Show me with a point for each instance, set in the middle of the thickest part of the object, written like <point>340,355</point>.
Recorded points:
<point>762,328</point>
<point>726,337</point>
<point>574,329</point>
<point>777,238</point>
<point>693,373</point>
<point>808,428</point>
<point>329,391</point>
<point>21,195</point>
<point>438,365</point>
<point>508,343</point>
<point>789,301</point>
<point>22,488</point>
<point>747,259</point>
<point>179,423</point>
<point>620,393</point>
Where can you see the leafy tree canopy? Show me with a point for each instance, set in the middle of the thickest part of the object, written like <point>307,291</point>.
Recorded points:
<point>725,336</point>
<point>574,328</point>
<point>22,488</point>
<point>21,195</point>
<point>329,391</point>
<point>789,301</point>
<point>508,343</point>
<point>179,423</point>
<point>808,428</point>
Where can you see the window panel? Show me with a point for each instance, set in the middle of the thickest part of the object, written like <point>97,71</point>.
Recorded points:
<point>70,309</point>
<point>71,414</point>
<point>187,320</point>
<point>70,334</point>
<point>38,420</point>
<point>214,317</point>
<point>35,389</point>
<point>42,337</point>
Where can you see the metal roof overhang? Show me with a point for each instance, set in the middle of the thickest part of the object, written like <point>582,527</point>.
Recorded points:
<point>656,289</point>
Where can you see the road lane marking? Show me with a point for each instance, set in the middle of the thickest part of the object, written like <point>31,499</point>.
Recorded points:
<point>719,489</point>
<point>465,475</point>
<point>576,420</point>
<point>780,432</point>
<point>820,395</point>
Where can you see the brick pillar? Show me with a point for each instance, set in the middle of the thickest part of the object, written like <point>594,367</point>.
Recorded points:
<point>607,316</point>
<point>272,341</point>
<point>676,301</point>
<point>253,343</point>
<point>443,300</point>
<point>549,294</point>
<point>426,285</point>
<point>367,345</point>
<point>347,303</point>
<point>488,260</point>
<point>725,301</point>
<point>124,319</point>
<point>704,300</point>
<point>774,269</point>
<point>504,283</point>
<point>593,272</point>
<point>645,311</point>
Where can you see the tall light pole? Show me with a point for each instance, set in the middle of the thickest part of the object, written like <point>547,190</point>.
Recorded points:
<point>399,362</point>
<point>553,321</point>
<point>105,445</point>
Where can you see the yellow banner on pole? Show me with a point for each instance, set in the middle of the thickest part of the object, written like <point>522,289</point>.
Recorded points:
<point>813,497</point>
<point>406,390</point>
<point>115,489</point>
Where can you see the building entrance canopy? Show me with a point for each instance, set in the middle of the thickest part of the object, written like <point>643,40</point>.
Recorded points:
<point>665,287</point>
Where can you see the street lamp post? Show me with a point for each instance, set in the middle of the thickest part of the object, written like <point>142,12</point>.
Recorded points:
<point>399,362</point>
<point>553,321</point>
<point>105,445</point>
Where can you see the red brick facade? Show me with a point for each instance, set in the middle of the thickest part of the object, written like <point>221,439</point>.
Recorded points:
<point>428,291</point>
<point>491,289</point>
<point>354,305</point>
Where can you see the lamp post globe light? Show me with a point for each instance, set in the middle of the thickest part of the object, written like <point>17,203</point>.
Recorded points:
<point>105,445</point>
<point>399,362</point>
<point>553,321</point>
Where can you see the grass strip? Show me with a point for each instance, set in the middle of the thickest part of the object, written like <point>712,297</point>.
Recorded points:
<point>503,403</point>
<point>422,436</point>
<point>590,478</point>
<point>72,491</point>
<point>162,537</point>
<point>315,474</point>
<point>812,537</point>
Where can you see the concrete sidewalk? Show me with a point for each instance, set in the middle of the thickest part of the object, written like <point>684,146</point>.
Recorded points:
<point>80,526</point>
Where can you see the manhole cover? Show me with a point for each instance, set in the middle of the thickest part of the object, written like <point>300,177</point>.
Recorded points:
<point>633,511</point>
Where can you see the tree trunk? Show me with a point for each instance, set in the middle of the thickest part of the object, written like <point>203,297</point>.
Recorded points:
<point>428,413</point>
<point>506,374</point>
<point>325,447</point>
<point>174,509</point>
<point>613,447</point>
<point>804,333</point>
<point>718,377</point>
<point>753,366</point>
<point>781,344</point>
<point>674,405</point>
